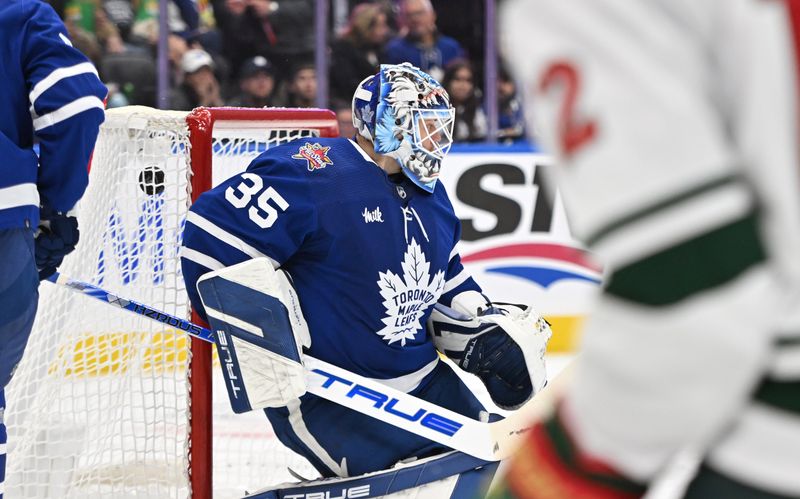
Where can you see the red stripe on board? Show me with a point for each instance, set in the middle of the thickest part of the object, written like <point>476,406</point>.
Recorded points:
<point>539,250</point>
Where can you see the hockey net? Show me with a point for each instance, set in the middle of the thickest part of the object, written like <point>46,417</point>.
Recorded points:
<point>106,403</point>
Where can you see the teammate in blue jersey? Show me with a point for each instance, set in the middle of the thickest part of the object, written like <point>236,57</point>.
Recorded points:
<point>51,93</point>
<point>369,240</point>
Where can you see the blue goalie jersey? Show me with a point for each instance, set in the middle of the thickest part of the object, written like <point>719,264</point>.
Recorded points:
<point>369,253</point>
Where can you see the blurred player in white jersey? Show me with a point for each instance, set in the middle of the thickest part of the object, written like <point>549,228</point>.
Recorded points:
<point>675,125</point>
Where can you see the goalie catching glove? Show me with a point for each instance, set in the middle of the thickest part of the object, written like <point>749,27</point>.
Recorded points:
<point>503,344</point>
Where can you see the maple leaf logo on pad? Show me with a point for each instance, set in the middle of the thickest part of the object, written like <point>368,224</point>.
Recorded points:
<point>315,154</point>
<point>406,298</point>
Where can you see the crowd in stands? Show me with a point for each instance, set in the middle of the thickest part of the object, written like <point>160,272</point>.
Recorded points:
<point>255,53</point>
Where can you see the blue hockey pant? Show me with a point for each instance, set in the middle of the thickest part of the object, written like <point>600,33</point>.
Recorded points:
<point>19,297</point>
<point>339,441</point>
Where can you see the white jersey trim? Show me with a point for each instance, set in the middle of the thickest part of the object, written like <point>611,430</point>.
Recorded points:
<point>408,382</point>
<point>226,237</point>
<point>674,224</point>
<point>305,436</point>
<point>456,281</point>
<point>362,152</point>
<point>763,450</point>
<point>786,364</point>
<point>68,111</point>
<point>19,195</point>
<point>201,259</point>
<point>452,254</point>
<point>59,74</point>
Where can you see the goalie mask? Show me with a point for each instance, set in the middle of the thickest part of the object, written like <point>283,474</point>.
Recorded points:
<point>406,115</point>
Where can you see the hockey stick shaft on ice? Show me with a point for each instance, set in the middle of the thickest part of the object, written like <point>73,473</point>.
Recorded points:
<point>488,441</point>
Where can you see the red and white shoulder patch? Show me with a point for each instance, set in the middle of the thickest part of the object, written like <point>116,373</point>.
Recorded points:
<point>315,155</point>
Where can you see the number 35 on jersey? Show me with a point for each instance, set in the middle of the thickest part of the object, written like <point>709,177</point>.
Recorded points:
<point>262,213</point>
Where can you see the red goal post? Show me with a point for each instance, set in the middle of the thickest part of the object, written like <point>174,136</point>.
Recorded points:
<point>201,122</point>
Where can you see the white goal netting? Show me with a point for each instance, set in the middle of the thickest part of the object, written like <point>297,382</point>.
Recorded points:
<point>98,407</point>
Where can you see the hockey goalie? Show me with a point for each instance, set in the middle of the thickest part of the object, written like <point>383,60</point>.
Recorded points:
<point>356,244</point>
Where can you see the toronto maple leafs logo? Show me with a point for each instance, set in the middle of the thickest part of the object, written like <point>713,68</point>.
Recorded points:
<point>315,154</point>
<point>406,298</point>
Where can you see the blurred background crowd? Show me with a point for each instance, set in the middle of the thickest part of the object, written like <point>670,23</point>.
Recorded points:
<point>256,53</point>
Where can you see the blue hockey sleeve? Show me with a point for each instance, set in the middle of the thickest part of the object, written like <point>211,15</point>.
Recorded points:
<point>66,97</point>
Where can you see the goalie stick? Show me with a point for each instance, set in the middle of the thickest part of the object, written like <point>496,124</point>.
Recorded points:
<point>488,441</point>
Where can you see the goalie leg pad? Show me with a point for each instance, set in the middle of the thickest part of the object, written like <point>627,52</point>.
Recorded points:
<point>259,333</point>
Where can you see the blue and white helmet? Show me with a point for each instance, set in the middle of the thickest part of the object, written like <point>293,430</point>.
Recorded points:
<point>406,114</point>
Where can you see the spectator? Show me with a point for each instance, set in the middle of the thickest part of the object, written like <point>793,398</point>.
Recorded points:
<point>200,86</point>
<point>256,82</point>
<point>87,20</point>
<point>464,20</point>
<point>511,119</point>
<point>357,53</point>
<point>422,45</point>
<point>176,48</point>
<point>183,19</point>
<point>470,124</point>
<point>302,88</point>
<point>293,24</point>
<point>344,115</point>
<point>240,39</point>
<point>282,31</point>
<point>120,13</point>
<point>116,97</point>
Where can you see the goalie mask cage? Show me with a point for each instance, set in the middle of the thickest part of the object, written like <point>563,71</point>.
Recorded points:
<point>108,404</point>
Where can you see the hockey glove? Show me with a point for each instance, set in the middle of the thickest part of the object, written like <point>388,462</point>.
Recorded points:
<point>502,344</point>
<point>56,238</point>
<point>550,464</point>
<point>500,364</point>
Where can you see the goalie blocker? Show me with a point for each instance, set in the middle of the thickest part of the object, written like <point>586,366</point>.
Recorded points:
<point>260,332</point>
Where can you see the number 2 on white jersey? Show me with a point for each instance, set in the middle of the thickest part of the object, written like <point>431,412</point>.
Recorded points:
<point>574,132</point>
<point>263,213</point>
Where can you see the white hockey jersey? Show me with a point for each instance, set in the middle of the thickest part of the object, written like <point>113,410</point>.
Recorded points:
<point>676,126</point>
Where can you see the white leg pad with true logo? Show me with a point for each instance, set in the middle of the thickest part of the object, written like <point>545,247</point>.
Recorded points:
<point>260,332</point>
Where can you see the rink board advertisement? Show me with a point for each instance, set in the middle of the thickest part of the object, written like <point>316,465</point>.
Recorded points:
<point>515,235</point>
